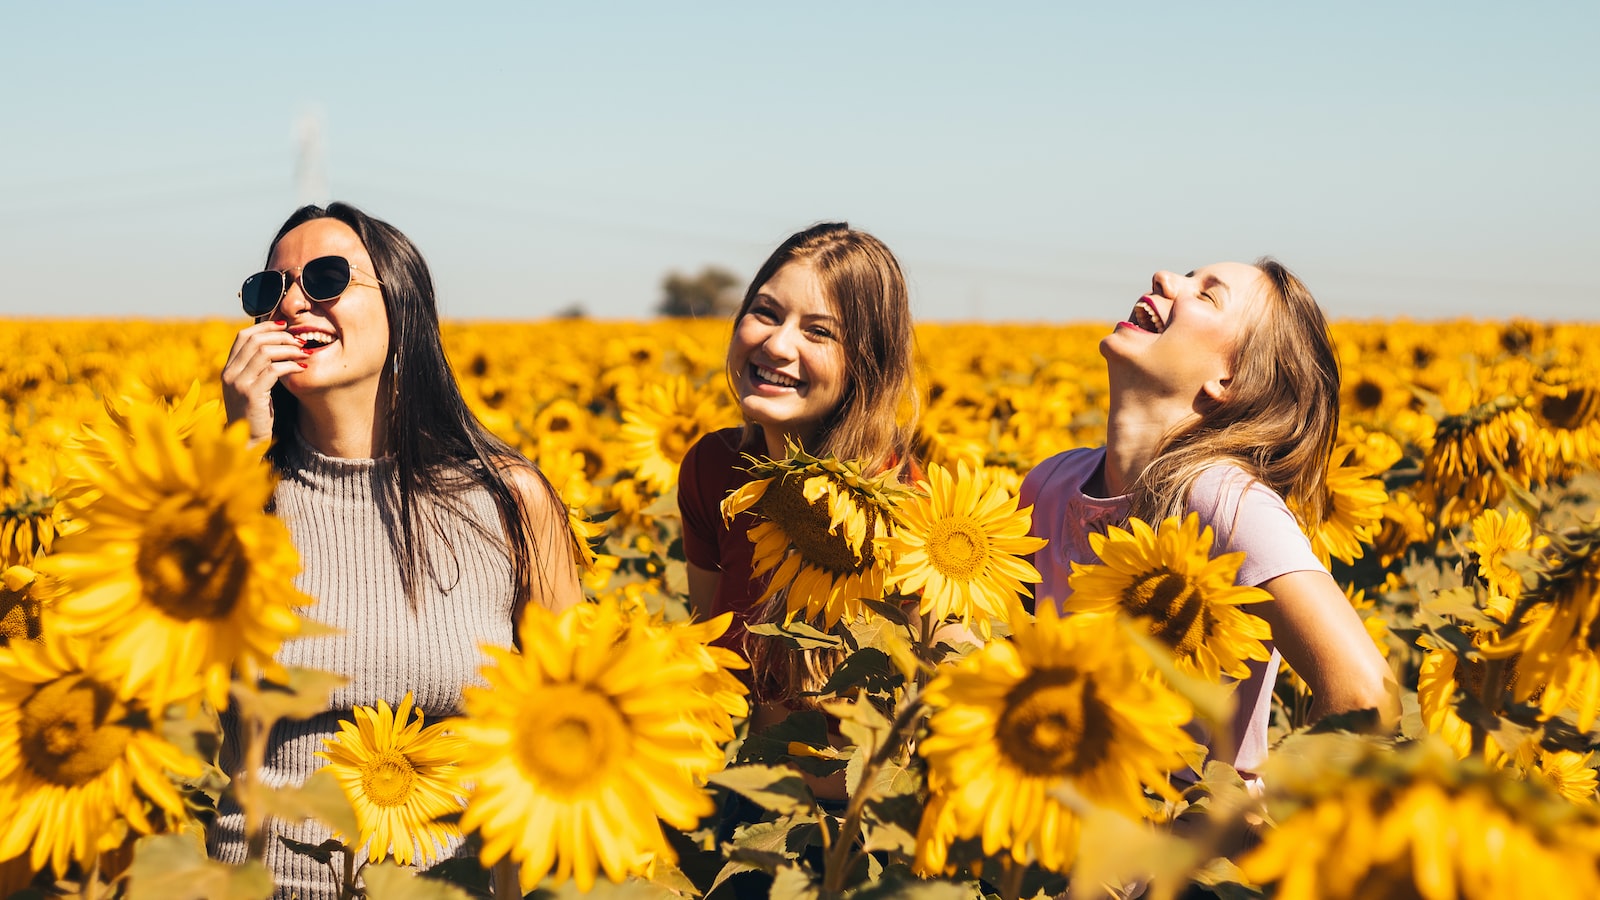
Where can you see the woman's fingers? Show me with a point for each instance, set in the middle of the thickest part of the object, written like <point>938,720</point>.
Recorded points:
<point>261,354</point>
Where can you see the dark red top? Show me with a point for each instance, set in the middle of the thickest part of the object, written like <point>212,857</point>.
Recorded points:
<point>712,469</point>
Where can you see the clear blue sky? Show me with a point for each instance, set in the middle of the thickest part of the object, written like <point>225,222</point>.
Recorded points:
<point>1024,160</point>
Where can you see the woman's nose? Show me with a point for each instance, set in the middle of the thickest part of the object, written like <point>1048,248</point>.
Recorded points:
<point>779,343</point>
<point>1163,283</point>
<point>294,299</point>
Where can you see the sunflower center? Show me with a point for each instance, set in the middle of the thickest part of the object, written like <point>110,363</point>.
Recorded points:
<point>1368,395</point>
<point>388,777</point>
<point>675,439</point>
<point>958,548</point>
<point>1053,724</point>
<point>1571,411</point>
<point>190,560</point>
<point>805,523</point>
<point>1175,607</point>
<point>572,739</point>
<point>71,730</point>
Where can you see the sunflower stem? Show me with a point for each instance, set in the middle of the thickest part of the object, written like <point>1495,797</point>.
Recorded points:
<point>255,759</point>
<point>504,883</point>
<point>89,887</point>
<point>841,858</point>
<point>347,887</point>
<point>1012,873</point>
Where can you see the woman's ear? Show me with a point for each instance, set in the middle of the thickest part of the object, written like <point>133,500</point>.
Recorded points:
<point>1216,389</point>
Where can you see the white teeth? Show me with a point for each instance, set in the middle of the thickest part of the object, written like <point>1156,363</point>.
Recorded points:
<point>315,337</point>
<point>778,378</point>
<point>1146,317</point>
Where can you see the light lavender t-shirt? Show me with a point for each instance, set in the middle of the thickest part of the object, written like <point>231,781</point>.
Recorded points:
<point>1244,515</point>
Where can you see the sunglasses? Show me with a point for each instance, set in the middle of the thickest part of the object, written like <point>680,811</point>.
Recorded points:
<point>321,279</point>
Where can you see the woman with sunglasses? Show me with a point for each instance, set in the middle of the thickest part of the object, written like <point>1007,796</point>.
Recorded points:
<point>421,535</point>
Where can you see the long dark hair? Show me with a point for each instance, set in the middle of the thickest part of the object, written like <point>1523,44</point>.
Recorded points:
<point>433,438</point>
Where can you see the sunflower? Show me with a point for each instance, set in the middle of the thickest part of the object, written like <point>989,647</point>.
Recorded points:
<point>661,427</point>
<point>1067,702</point>
<point>1556,635</point>
<point>1438,682</point>
<point>19,608</point>
<point>1566,407</point>
<point>1461,474</point>
<point>78,757</point>
<point>1417,823</point>
<point>1494,536</point>
<point>1354,508</point>
<point>178,567</point>
<point>400,778</point>
<point>1567,773</point>
<point>820,539</point>
<point>578,746</point>
<point>1168,581</point>
<point>958,546</point>
<point>1404,523</point>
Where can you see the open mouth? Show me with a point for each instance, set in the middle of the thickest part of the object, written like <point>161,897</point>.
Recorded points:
<point>775,378</point>
<point>315,340</point>
<point>1146,317</point>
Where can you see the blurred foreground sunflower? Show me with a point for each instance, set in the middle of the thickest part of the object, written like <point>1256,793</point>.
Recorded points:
<point>823,520</point>
<point>959,545</point>
<point>78,758</point>
<point>1359,820</point>
<point>1168,581</point>
<point>579,745</point>
<point>1066,702</point>
<point>179,567</point>
<point>400,777</point>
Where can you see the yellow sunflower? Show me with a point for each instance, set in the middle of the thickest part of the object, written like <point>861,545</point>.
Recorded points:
<point>823,523</point>
<point>1461,474</point>
<point>1494,536</point>
<point>1566,407</point>
<point>1416,823</point>
<point>400,778</point>
<point>1556,636</point>
<point>77,758</point>
<point>1404,523</point>
<point>1354,509</point>
<point>1168,581</point>
<point>1568,773</point>
<point>19,608</point>
<point>1441,677</point>
<point>178,567</point>
<point>662,425</point>
<point>577,746</point>
<point>1066,702</point>
<point>958,548</point>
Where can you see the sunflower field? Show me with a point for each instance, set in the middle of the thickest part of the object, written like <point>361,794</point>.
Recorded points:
<point>953,744</point>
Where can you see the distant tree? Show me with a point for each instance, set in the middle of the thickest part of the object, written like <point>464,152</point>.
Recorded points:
<point>713,293</point>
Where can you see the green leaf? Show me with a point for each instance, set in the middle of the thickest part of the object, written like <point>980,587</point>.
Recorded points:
<point>387,881</point>
<point>868,668</point>
<point>734,867</point>
<point>320,798</point>
<point>793,883</point>
<point>1459,603</point>
<point>898,884</point>
<point>304,696</point>
<point>894,612</point>
<point>175,867</point>
<point>771,745</point>
<point>799,635</point>
<point>778,788</point>
<point>322,853</point>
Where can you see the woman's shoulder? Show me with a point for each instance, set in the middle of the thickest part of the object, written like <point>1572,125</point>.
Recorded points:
<point>1065,471</point>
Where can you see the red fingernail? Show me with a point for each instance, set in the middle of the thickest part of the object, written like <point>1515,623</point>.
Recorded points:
<point>304,365</point>
<point>280,321</point>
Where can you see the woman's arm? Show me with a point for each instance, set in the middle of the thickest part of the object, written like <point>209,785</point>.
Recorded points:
<point>703,584</point>
<point>1322,638</point>
<point>555,584</point>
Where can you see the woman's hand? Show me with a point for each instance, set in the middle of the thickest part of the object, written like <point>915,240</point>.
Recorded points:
<point>260,355</point>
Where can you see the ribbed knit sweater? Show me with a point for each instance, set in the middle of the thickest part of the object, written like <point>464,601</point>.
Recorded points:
<point>388,645</point>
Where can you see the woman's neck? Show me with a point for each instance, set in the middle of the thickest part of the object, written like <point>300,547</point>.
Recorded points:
<point>1136,430</point>
<point>348,430</point>
<point>778,442</point>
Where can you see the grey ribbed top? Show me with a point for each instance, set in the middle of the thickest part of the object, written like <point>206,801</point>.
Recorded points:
<point>388,645</point>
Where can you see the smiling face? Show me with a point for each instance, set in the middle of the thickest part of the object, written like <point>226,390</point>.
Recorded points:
<point>1181,338</point>
<point>786,359</point>
<point>348,336</point>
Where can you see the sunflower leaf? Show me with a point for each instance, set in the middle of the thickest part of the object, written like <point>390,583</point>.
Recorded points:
<point>175,867</point>
<point>793,883</point>
<point>868,668</point>
<point>778,788</point>
<point>322,853</point>
<point>387,881</point>
<point>304,696</point>
<point>320,798</point>
<point>799,635</point>
<point>894,612</point>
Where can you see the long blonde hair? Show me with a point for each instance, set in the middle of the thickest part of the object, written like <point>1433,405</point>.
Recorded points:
<point>1278,418</point>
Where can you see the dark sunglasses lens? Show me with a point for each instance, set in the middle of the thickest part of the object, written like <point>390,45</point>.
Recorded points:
<point>325,278</point>
<point>261,292</point>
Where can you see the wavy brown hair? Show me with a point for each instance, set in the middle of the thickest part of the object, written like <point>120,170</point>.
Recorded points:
<point>1278,419</point>
<point>875,421</point>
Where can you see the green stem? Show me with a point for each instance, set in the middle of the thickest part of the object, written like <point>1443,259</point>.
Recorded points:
<point>255,759</point>
<point>505,883</point>
<point>841,858</point>
<point>1012,873</point>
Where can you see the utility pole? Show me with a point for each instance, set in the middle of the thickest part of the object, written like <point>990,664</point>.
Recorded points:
<point>310,167</point>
